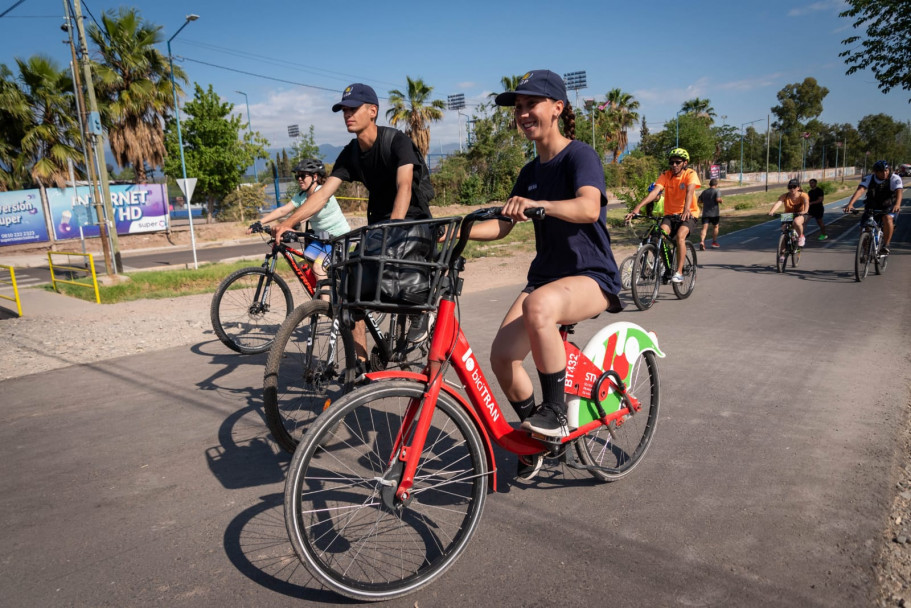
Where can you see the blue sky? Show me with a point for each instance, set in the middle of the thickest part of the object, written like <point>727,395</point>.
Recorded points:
<point>738,55</point>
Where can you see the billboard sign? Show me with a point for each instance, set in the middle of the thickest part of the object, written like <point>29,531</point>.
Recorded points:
<point>22,218</point>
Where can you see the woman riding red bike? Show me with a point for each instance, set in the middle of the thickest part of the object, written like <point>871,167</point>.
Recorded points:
<point>574,275</point>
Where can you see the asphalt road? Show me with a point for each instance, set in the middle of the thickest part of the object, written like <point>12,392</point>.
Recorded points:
<point>151,480</point>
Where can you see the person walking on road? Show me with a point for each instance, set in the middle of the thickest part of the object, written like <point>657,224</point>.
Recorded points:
<point>797,202</point>
<point>817,209</point>
<point>710,199</point>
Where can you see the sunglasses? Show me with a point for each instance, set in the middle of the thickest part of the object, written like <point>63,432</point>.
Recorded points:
<point>301,175</point>
<point>676,162</point>
<point>792,187</point>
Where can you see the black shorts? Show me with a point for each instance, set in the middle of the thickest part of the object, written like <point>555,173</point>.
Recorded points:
<point>710,220</point>
<point>816,211</point>
<point>675,223</point>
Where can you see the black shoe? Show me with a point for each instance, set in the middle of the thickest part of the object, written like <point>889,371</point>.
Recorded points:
<point>549,420</point>
<point>420,327</point>
<point>528,466</point>
<point>883,251</point>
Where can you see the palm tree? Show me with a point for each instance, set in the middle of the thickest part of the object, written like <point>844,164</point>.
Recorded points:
<point>702,108</point>
<point>620,109</point>
<point>14,114</point>
<point>414,110</point>
<point>50,130</point>
<point>133,83</point>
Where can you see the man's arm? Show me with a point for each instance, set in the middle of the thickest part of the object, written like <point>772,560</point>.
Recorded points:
<point>403,178</point>
<point>311,206</point>
<point>688,201</point>
<point>898,200</point>
<point>857,194</point>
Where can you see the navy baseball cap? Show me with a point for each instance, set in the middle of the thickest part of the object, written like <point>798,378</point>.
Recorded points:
<point>356,95</point>
<point>538,83</point>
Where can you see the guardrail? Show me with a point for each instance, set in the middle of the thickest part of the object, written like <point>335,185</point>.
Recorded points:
<point>11,283</point>
<point>89,270</point>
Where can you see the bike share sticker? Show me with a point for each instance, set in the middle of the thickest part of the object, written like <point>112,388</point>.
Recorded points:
<point>617,346</point>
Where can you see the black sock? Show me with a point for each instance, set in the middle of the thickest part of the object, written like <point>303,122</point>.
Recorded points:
<point>524,408</point>
<point>552,386</point>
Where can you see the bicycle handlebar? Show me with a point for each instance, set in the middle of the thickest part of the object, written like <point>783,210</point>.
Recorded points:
<point>482,215</point>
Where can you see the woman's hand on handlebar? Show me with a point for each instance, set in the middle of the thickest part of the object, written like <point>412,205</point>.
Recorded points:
<point>516,206</point>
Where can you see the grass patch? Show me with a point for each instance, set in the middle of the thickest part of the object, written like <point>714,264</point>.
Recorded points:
<point>157,284</point>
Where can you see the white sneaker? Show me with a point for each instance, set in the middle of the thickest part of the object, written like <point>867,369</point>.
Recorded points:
<point>802,241</point>
<point>677,278</point>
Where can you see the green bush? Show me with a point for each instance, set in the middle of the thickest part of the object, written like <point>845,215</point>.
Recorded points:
<point>829,187</point>
<point>471,191</point>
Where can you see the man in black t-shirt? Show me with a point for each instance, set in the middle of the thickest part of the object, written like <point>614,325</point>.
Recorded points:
<point>817,209</point>
<point>393,176</point>
<point>711,213</point>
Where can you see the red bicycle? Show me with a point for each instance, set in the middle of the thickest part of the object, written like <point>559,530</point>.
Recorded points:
<point>388,485</point>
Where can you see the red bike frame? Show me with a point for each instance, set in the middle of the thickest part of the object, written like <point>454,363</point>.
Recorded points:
<point>450,344</point>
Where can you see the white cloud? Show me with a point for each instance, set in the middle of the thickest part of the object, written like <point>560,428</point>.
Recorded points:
<point>825,5</point>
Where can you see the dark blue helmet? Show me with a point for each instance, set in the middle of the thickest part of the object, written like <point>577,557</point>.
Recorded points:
<point>881,165</point>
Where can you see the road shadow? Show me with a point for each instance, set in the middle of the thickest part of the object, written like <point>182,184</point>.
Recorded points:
<point>244,456</point>
<point>823,276</point>
<point>257,544</point>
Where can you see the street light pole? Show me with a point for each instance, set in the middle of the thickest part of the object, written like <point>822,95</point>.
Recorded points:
<point>249,128</point>
<point>741,147</point>
<point>183,163</point>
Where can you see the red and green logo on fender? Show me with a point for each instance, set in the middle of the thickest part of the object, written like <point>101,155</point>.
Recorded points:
<point>617,346</point>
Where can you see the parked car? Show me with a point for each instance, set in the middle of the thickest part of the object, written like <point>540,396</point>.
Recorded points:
<point>904,170</point>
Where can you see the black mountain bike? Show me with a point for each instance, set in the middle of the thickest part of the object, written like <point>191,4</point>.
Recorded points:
<point>654,264</point>
<point>787,244</point>
<point>315,359</point>
<point>869,246</point>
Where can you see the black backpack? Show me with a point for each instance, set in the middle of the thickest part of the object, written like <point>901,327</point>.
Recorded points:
<point>424,189</point>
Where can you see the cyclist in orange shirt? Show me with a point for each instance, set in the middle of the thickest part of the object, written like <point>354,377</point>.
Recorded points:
<point>679,187</point>
<point>796,201</point>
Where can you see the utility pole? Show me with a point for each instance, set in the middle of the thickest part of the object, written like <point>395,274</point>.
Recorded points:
<point>88,152</point>
<point>98,141</point>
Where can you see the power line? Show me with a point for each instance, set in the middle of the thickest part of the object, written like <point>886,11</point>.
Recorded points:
<point>3,14</point>
<point>283,62</point>
<point>255,75</point>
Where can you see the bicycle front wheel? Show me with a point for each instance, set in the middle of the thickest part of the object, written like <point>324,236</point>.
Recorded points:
<point>881,261</point>
<point>617,456</point>
<point>247,309</point>
<point>684,289</point>
<point>863,256</point>
<point>626,271</point>
<point>646,277</point>
<point>781,254</point>
<point>311,365</point>
<point>340,508</point>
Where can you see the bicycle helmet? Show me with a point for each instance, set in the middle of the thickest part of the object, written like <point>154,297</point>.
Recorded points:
<point>881,165</point>
<point>312,166</point>
<point>679,153</point>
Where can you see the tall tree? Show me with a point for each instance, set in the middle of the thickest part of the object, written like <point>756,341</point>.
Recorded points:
<point>701,108</point>
<point>14,115</point>
<point>415,109</point>
<point>620,112</point>
<point>134,85</point>
<point>885,48</point>
<point>50,132</point>
<point>218,147</point>
<point>306,147</point>
<point>879,137</point>
<point>798,104</point>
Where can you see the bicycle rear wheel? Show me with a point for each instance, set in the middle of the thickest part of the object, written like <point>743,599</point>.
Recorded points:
<point>781,253</point>
<point>795,257</point>
<point>340,510</point>
<point>646,277</point>
<point>616,457</point>
<point>310,366</point>
<point>684,289</point>
<point>247,309</point>
<point>863,255</point>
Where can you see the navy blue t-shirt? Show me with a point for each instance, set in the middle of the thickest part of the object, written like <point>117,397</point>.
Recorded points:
<point>563,248</point>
